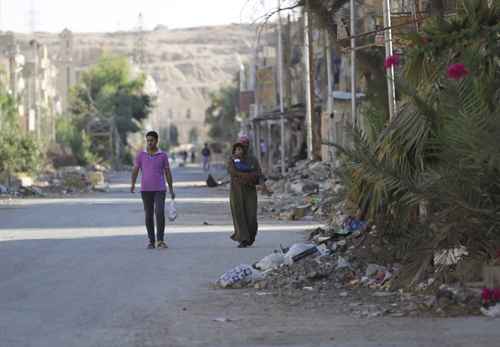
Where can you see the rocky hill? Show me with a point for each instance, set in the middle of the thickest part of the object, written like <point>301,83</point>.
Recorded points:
<point>186,64</point>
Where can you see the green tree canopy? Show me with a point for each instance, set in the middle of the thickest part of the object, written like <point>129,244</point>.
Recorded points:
<point>109,92</point>
<point>19,152</point>
<point>220,116</point>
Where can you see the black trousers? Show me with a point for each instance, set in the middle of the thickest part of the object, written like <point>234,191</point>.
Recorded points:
<point>154,205</point>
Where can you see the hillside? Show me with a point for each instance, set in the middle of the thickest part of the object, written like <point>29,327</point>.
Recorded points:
<point>187,64</point>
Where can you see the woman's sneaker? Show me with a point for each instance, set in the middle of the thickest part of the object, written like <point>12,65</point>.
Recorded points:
<point>161,244</point>
<point>151,245</point>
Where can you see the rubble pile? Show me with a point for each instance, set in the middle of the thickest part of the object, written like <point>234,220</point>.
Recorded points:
<point>63,181</point>
<point>302,274</point>
<point>327,269</point>
<point>309,190</point>
<point>343,262</point>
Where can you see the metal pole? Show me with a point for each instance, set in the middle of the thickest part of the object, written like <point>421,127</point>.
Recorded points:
<point>309,96</point>
<point>269,140</point>
<point>255,80</point>
<point>330,100</point>
<point>280,81</point>
<point>388,52</point>
<point>353,64</point>
<point>256,132</point>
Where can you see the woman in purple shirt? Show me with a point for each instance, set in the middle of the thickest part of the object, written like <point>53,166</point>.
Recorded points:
<point>155,170</point>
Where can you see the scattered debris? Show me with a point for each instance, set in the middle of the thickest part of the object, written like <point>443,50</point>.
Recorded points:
<point>63,181</point>
<point>493,311</point>
<point>340,262</point>
<point>222,320</point>
<point>272,261</point>
<point>239,277</point>
<point>308,190</point>
<point>211,182</point>
<point>299,251</point>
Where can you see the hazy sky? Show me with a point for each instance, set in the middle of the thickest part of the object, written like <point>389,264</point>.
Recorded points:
<point>112,15</point>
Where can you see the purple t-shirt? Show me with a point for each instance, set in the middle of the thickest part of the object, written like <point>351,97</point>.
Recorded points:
<point>152,170</point>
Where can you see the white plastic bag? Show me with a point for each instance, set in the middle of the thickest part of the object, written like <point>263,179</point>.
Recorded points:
<point>172,211</point>
<point>492,312</point>
<point>271,261</point>
<point>298,250</point>
<point>238,277</point>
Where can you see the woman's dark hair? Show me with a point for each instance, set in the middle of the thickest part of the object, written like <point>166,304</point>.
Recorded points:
<point>152,134</point>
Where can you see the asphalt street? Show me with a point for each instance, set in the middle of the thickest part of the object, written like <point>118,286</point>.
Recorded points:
<point>75,272</point>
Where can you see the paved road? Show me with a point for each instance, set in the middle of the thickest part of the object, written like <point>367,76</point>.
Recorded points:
<point>75,273</point>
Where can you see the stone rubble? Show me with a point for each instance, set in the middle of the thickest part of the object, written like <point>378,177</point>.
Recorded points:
<point>339,270</point>
<point>342,269</point>
<point>307,191</point>
<point>63,181</point>
<point>364,290</point>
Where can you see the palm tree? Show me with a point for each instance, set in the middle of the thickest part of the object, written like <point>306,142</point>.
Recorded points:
<point>441,149</point>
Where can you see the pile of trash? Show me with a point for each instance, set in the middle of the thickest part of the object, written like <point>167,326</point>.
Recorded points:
<point>328,264</point>
<point>309,190</point>
<point>63,181</point>
<point>247,275</point>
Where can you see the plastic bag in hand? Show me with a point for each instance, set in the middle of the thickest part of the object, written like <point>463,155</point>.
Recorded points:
<point>172,211</point>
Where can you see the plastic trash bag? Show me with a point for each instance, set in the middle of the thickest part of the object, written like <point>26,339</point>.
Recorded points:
<point>492,312</point>
<point>351,224</point>
<point>172,211</point>
<point>343,263</point>
<point>271,261</point>
<point>298,251</point>
<point>324,250</point>
<point>238,277</point>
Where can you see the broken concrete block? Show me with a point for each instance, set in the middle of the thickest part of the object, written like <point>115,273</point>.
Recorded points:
<point>373,269</point>
<point>491,276</point>
<point>23,180</point>
<point>300,212</point>
<point>96,178</point>
<point>310,187</point>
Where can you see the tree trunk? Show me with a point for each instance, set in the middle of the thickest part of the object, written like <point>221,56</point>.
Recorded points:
<point>437,8</point>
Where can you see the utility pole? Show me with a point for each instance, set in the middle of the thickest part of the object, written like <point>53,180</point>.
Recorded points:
<point>32,17</point>
<point>255,123</point>
<point>309,91</point>
<point>330,101</point>
<point>139,42</point>
<point>280,81</point>
<point>391,92</point>
<point>353,63</point>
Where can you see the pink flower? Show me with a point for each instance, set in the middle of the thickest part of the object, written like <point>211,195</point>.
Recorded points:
<point>486,295</point>
<point>390,61</point>
<point>496,295</point>
<point>457,71</point>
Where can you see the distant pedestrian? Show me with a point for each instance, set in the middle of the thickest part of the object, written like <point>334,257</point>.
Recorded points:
<point>193,157</point>
<point>246,174</point>
<point>263,149</point>
<point>205,154</point>
<point>184,157</point>
<point>155,170</point>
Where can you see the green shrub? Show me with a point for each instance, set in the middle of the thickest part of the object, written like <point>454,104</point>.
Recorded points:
<point>79,142</point>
